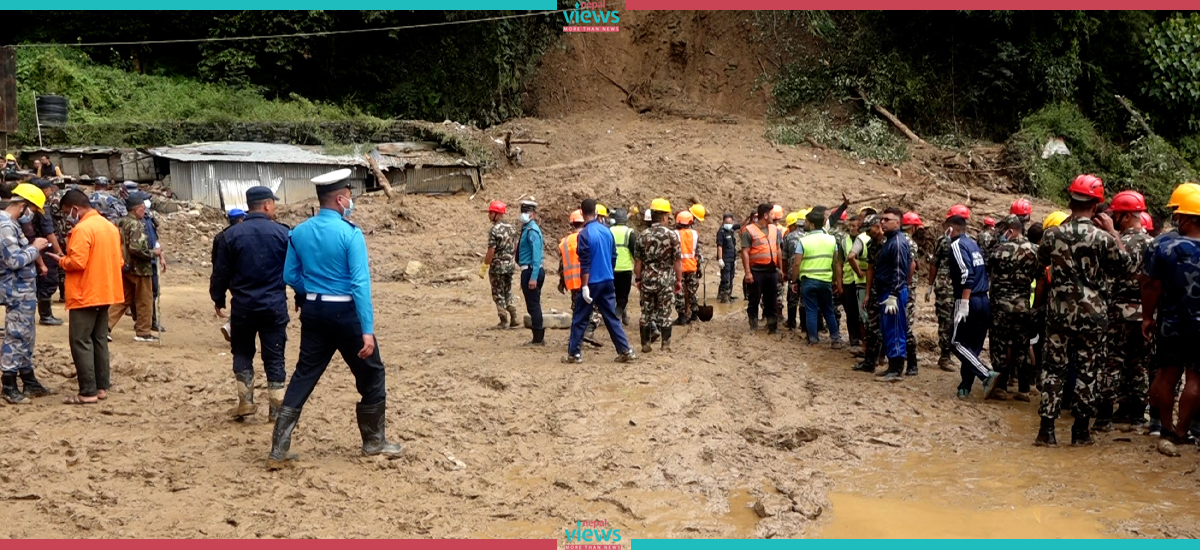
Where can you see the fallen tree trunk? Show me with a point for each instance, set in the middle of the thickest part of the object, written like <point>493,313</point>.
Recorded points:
<point>891,118</point>
<point>1136,115</point>
<point>382,179</point>
<point>530,140</point>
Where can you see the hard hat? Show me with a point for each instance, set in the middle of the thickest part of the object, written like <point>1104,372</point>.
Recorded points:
<point>497,207</point>
<point>236,213</point>
<point>649,215</point>
<point>1053,219</point>
<point>30,193</point>
<point>911,218</point>
<point>959,210</point>
<point>1189,206</point>
<point>698,212</point>
<point>1087,187</point>
<point>866,208</point>
<point>601,210</point>
<point>776,213</point>
<point>660,205</point>
<point>620,215</point>
<point>804,212</point>
<point>577,216</point>
<point>989,221</point>
<point>845,215</point>
<point>1182,191</point>
<point>1021,207</point>
<point>101,181</point>
<point>10,157</point>
<point>1147,221</point>
<point>793,218</point>
<point>1129,201</point>
<point>683,218</point>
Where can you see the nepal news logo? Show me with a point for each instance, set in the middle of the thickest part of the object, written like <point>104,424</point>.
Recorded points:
<point>591,17</point>
<point>592,535</point>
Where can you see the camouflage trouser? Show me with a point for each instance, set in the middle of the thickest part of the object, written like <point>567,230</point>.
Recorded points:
<point>656,308</point>
<point>1126,377</point>
<point>502,293</point>
<point>594,321</point>
<point>871,335</point>
<point>17,353</point>
<point>691,291</point>
<point>1009,343</point>
<point>780,297</point>
<point>911,314</point>
<point>1081,352</point>
<point>944,306</point>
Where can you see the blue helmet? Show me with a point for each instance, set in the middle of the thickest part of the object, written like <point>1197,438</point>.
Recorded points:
<point>236,213</point>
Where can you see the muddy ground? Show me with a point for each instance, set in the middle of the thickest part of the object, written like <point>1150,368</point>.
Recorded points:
<point>503,441</point>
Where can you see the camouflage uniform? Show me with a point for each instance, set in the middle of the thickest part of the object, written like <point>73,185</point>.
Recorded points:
<point>62,229</point>
<point>20,297</point>
<point>109,206</point>
<point>1080,257</point>
<point>911,312</point>
<point>502,241</point>
<point>1126,378</point>
<point>794,304</point>
<point>872,338</point>
<point>987,242</point>
<point>658,248</point>
<point>1012,267</point>
<point>780,296</point>
<point>943,291</point>
<point>691,286</point>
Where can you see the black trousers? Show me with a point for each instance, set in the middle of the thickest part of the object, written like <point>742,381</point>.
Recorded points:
<point>533,298</point>
<point>765,288</point>
<point>271,329</point>
<point>48,283</point>
<point>88,330</point>
<point>727,274</point>
<point>328,327</point>
<point>849,301</point>
<point>623,280</point>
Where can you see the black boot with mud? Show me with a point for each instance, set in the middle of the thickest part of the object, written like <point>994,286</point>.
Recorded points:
<point>539,338</point>
<point>1104,418</point>
<point>244,381</point>
<point>12,393</point>
<point>666,339</point>
<point>281,439</point>
<point>864,366</point>
<point>275,392</point>
<point>372,424</point>
<point>46,314</point>
<point>912,362</point>
<point>1081,435</point>
<point>31,387</point>
<point>645,334</point>
<point>1045,436</point>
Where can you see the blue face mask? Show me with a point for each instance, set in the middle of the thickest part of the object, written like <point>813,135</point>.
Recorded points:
<point>26,217</point>
<point>525,218</point>
<point>728,227</point>
<point>349,208</point>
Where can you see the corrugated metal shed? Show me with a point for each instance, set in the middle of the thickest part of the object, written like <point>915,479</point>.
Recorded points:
<point>218,184</point>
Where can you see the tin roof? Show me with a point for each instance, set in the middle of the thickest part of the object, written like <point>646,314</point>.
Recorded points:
<point>278,153</point>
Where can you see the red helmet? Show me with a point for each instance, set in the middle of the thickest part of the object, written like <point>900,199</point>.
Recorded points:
<point>497,207</point>
<point>1087,186</point>
<point>1129,201</point>
<point>1021,207</point>
<point>1147,221</point>
<point>911,218</point>
<point>959,210</point>
<point>844,216</point>
<point>989,221</point>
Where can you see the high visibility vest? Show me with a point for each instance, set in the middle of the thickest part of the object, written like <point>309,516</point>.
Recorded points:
<point>623,239</point>
<point>687,249</point>
<point>572,272</point>
<point>764,247</point>
<point>819,249</point>
<point>848,276</point>
<point>866,241</point>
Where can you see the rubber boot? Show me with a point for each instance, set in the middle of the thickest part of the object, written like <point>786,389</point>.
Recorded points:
<point>912,361</point>
<point>1080,434</point>
<point>31,387</point>
<point>275,393</point>
<point>245,391</point>
<point>772,326</point>
<point>895,372</point>
<point>1045,436</point>
<point>753,325</point>
<point>46,314</point>
<point>281,438</point>
<point>372,424</point>
<point>1104,420</point>
<point>539,338</point>
<point>666,338</point>
<point>623,316</point>
<point>11,393</point>
<point>645,334</point>
<point>513,320</point>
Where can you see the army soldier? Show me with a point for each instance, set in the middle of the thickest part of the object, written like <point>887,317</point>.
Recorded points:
<point>327,266</point>
<point>658,273</point>
<point>686,308</point>
<point>108,205</point>
<point>1126,381</point>
<point>943,289</point>
<point>138,272</point>
<point>795,231</point>
<point>20,294</point>
<point>866,247</point>
<point>987,236</point>
<point>502,247</point>
<point>1012,267</point>
<point>909,223</point>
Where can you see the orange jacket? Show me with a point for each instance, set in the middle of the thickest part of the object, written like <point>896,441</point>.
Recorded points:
<point>93,263</point>
<point>572,270</point>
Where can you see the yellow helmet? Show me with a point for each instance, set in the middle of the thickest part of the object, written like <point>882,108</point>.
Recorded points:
<point>698,212</point>
<point>1183,191</point>
<point>793,218</point>
<point>601,210</point>
<point>660,205</point>
<point>1189,205</point>
<point>10,157</point>
<point>805,212</point>
<point>1053,219</point>
<point>31,194</point>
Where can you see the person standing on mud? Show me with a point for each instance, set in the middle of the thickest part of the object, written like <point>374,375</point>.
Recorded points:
<point>1082,253</point>
<point>249,265</point>
<point>909,225</point>
<point>727,257</point>
<point>570,272</point>
<point>763,264</point>
<point>942,288</point>
<point>597,257</point>
<point>1012,268</point>
<point>686,308</point>
<point>497,265</point>
<point>819,277</point>
<point>865,252</point>
<point>47,281</point>
<point>845,232</point>
<point>972,308</point>
<point>658,273</point>
<point>626,242</point>
<point>328,269</point>
<point>138,272</point>
<point>17,279</point>
<point>795,231</point>
<point>892,269</point>
<point>529,258</point>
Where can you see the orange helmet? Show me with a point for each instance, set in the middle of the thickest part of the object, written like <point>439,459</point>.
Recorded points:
<point>684,218</point>
<point>577,216</point>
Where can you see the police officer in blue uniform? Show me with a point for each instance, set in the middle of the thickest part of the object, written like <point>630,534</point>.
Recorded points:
<point>327,268</point>
<point>972,310</point>
<point>248,262</point>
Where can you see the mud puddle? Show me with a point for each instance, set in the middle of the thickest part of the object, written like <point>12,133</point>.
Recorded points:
<point>869,518</point>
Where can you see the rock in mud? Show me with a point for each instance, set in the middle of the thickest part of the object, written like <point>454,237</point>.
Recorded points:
<point>413,269</point>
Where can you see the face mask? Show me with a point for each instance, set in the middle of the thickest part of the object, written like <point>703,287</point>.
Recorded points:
<point>147,203</point>
<point>26,216</point>
<point>949,232</point>
<point>349,208</point>
<point>728,227</point>
<point>73,217</point>
<point>525,218</point>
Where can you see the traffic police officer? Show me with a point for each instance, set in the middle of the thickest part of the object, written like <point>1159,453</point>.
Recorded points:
<point>327,266</point>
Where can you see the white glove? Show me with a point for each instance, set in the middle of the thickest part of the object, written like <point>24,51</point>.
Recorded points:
<point>891,306</point>
<point>721,264</point>
<point>587,295</point>
<point>961,309</point>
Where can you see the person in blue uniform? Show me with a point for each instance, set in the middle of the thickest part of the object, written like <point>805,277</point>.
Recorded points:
<point>327,268</point>
<point>972,311</point>
<point>892,276</point>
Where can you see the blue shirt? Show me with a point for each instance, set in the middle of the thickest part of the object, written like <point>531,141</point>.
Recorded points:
<point>248,261</point>
<point>327,255</point>
<point>597,252</point>
<point>151,231</point>
<point>529,250</point>
<point>892,265</point>
<point>1174,260</point>
<point>967,266</point>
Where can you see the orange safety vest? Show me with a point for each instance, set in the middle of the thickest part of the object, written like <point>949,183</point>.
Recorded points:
<point>572,272</point>
<point>763,245</point>
<point>687,249</point>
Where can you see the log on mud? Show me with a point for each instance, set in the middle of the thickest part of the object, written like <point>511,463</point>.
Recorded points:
<point>891,118</point>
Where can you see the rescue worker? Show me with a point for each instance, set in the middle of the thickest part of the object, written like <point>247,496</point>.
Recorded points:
<point>852,276</point>
<point>47,169</point>
<point>794,223</point>
<point>47,280</point>
<point>686,307</point>
<point>819,273</point>
<point>17,280</point>
<point>865,252</point>
<point>698,211</point>
<point>157,266</point>
<point>602,214</point>
<point>909,223</point>
<point>328,269</point>
<point>763,264</point>
<point>658,273</point>
<point>11,168</point>
<point>498,264</point>
<point>942,288</point>
<point>891,271</point>
<point>107,204</point>
<point>138,272</point>
<point>1081,254</point>
<point>777,219</point>
<point>570,272</point>
<point>235,216</point>
<point>986,238</point>
<point>533,276</point>
<point>597,256</point>
<point>972,309</point>
<point>1012,268</point>
<point>727,239</point>
<point>625,240</point>
<point>249,265</point>
<point>62,230</point>
<point>1022,209</point>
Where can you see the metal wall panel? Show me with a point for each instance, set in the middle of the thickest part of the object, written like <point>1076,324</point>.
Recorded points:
<point>206,182</point>
<point>440,179</point>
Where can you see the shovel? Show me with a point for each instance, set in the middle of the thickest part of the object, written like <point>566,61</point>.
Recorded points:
<point>705,313</point>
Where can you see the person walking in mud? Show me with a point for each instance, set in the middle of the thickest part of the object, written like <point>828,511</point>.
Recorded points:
<point>597,256</point>
<point>942,288</point>
<point>328,269</point>
<point>727,257</point>
<point>497,266</point>
<point>533,276</point>
<point>248,264</point>
<point>17,280</point>
<point>686,308</point>
<point>763,264</point>
<point>570,273</point>
<point>235,216</point>
<point>658,273</point>
<point>625,239</point>
<point>138,272</point>
<point>972,308</point>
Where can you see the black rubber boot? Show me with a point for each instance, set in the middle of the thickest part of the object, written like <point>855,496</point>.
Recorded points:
<point>275,391</point>
<point>372,424</point>
<point>1080,434</point>
<point>645,334</point>
<point>866,365</point>
<point>11,393</point>
<point>1045,436</point>
<point>244,381</point>
<point>772,326</point>
<point>281,438</point>
<point>912,361</point>
<point>666,338</point>
<point>539,338</point>
<point>895,371</point>
<point>46,314</point>
<point>1104,418</point>
<point>31,387</point>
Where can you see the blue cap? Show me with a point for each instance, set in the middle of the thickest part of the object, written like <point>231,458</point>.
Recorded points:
<point>260,193</point>
<point>237,213</point>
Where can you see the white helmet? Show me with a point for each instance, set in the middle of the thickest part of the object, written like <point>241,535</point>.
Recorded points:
<point>648,218</point>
